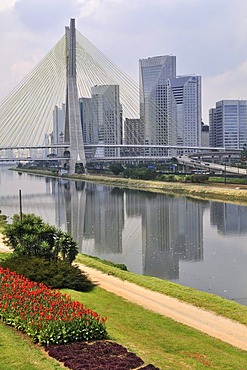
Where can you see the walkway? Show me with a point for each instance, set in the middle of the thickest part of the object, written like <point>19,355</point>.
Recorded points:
<point>216,326</point>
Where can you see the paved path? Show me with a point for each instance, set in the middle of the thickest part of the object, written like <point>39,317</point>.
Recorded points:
<point>216,326</point>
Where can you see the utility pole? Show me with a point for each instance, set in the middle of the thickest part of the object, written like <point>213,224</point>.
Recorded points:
<point>20,203</point>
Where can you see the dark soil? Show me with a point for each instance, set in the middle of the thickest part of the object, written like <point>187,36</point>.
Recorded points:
<point>99,355</point>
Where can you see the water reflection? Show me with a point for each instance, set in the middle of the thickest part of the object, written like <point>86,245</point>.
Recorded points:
<point>195,243</point>
<point>117,224</point>
<point>230,219</point>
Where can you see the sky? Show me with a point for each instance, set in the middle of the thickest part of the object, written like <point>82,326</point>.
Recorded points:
<point>208,38</point>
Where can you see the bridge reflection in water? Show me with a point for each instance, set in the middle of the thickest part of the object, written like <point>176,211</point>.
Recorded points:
<point>196,243</point>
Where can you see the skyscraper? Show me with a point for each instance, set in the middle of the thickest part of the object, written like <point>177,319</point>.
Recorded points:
<point>101,118</point>
<point>154,73</point>
<point>228,124</point>
<point>132,135</point>
<point>58,127</point>
<point>184,111</point>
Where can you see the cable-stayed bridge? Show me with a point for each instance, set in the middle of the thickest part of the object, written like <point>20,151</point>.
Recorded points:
<point>69,71</point>
<point>26,114</point>
<point>75,68</point>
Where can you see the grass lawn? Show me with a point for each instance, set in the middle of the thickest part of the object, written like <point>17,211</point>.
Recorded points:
<point>17,352</point>
<point>159,340</point>
<point>211,302</point>
<point>156,339</point>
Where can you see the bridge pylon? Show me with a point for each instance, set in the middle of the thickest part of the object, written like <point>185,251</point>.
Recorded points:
<point>73,128</point>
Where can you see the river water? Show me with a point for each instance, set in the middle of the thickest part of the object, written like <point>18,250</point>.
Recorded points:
<point>201,244</point>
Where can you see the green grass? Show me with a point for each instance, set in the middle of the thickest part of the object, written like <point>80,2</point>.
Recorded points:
<point>17,352</point>
<point>157,339</point>
<point>211,302</point>
<point>232,180</point>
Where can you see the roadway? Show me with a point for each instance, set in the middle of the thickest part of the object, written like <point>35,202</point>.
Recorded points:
<point>210,167</point>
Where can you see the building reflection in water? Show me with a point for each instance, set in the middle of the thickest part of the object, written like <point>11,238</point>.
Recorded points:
<point>148,232</point>
<point>230,219</point>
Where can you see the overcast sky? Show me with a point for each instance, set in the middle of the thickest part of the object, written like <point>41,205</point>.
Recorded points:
<point>208,37</point>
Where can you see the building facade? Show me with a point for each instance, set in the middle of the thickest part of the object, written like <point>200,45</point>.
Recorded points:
<point>101,117</point>
<point>228,124</point>
<point>57,136</point>
<point>132,135</point>
<point>170,106</point>
<point>205,135</point>
<point>184,111</point>
<point>154,74</point>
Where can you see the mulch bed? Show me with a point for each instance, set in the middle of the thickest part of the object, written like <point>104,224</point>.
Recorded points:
<point>98,355</point>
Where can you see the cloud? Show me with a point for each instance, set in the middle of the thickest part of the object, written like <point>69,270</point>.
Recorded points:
<point>88,7</point>
<point>208,37</point>
<point>228,85</point>
<point>7,4</point>
<point>42,16</point>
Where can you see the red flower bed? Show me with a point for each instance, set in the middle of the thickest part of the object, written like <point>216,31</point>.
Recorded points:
<point>46,315</point>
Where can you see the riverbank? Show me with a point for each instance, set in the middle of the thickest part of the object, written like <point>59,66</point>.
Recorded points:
<point>219,192</point>
<point>184,305</point>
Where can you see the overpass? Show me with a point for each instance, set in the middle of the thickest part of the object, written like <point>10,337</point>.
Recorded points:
<point>210,167</point>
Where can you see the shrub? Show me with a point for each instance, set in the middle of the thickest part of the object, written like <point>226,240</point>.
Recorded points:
<point>55,274</point>
<point>30,236</point>
<point>168,178</point>
<point>188,178</point>
<point>140,173</point>
<point>3,220</point>
<point>46,315</point>
<point>116,168</point>
<point>199,178</point>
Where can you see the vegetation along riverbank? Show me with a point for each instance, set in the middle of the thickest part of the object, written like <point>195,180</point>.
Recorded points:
<point>236,193</point>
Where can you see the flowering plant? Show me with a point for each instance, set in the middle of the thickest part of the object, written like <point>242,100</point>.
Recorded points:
<point>46,315</point>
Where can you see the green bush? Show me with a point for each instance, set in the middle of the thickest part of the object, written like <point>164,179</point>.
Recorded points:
<point>187,178</point>
<point>140,173</point>
<point>29,236</point>
<point>116,168</point>
<point>168,178</point>
<point>55,274</point>
<point>199,178</point>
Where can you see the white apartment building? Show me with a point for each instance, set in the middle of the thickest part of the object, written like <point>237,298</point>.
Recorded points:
<point>154,73</point>
<point>184,111</point>
<point>228,124</point>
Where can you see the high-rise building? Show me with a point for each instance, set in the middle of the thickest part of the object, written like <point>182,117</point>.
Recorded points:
<point>101,118</point>
<point>107,115</point>
<point>89,130</point>
<point>154,73</point>
<point>228,124</point>
<point>132,135</point>
<point>213,129</point>
<point>184,111</point>
<point>205,135</point>
<point>58,127</point>
<point>170,106</point>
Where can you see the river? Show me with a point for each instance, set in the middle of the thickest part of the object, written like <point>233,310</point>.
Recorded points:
<point>201,244</point>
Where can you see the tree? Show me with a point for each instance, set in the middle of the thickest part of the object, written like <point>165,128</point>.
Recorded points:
<point>116,168</point>
<point>243,154</point>
<point>30,236</point>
